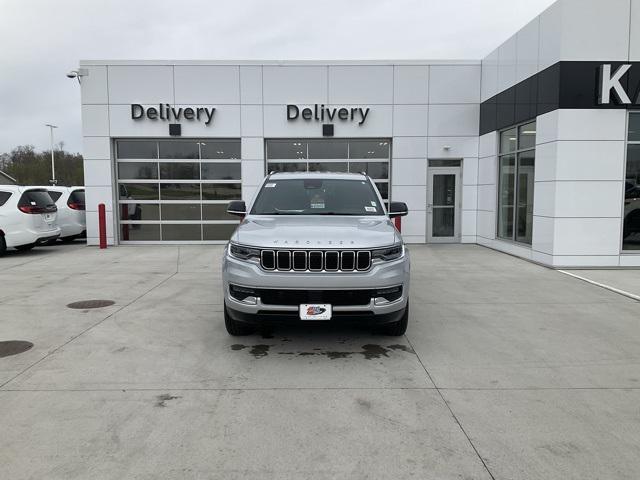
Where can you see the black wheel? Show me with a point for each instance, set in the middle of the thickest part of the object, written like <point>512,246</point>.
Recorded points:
<point>399,328</point>
<point>24,248</point>
<point>3,245</point>
<point>237,329</point>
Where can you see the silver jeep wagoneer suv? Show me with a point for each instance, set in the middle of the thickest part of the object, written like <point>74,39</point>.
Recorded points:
<point>316,247</point>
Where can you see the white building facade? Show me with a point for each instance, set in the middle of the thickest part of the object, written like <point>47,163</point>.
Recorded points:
<point>534,150</point>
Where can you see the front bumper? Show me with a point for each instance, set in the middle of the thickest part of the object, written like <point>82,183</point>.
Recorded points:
<point>381,275</point>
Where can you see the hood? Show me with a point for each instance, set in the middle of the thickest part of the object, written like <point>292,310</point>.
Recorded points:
<point>315,231</point>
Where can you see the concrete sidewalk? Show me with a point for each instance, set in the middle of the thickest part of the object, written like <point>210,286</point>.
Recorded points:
<point>509,371</point>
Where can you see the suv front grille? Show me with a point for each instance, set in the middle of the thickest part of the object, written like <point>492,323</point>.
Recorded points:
<point>315,260</point>
<point>270,296</point>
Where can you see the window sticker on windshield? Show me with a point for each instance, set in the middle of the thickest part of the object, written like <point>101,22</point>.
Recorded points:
<point>370,209</point>
<point>270,185</point>
<point>317,205</point>
<point>373,204</point>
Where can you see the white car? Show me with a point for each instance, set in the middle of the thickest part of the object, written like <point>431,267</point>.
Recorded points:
<point>27,217</point>
<point>72,218</point>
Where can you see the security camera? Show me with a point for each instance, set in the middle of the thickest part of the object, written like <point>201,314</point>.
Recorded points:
<point>78,74</point>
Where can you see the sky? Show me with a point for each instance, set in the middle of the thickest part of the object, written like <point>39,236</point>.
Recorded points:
<point>41,40</point>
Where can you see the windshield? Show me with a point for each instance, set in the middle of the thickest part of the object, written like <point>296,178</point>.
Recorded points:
<point>317,196</point>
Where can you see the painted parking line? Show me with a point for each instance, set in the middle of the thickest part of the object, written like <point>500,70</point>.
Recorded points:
<point>603,285</point>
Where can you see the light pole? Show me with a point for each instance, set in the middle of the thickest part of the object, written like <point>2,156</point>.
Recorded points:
<point>53,180</point>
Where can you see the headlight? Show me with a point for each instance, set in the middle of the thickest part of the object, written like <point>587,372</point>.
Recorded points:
<point>242,252</point>
<point>389,253</point>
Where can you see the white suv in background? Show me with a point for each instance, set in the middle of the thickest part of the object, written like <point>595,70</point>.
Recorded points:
<point>71,211</point>
<point>27,217</point>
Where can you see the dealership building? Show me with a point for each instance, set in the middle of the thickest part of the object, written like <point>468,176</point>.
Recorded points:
<point>533,150</point>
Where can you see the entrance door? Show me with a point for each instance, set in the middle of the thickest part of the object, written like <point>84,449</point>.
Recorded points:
<point>443,205</point>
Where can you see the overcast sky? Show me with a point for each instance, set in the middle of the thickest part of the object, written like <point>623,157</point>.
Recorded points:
<point>41,40</point>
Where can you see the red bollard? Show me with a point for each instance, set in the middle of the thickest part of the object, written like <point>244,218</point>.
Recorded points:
<point>398,222</point>
<point>102,225</point>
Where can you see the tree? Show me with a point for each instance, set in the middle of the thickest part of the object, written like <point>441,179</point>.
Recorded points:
<point>34,168</point>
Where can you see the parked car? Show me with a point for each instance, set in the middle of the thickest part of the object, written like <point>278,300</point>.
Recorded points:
<point>316,246</point>
<point>71,211</point>
<point>27,217</point>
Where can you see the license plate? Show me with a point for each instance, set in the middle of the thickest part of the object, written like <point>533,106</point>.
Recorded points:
<point>315,311</point>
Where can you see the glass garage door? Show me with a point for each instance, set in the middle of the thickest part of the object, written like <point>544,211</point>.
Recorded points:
<point>332,155</point>
<point>177,190</point>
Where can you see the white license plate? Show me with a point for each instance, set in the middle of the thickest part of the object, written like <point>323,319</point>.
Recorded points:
<point>315,311</point>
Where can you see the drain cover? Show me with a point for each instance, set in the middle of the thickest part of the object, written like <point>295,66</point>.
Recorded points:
<point>85,304</point>
<point>14,347</point>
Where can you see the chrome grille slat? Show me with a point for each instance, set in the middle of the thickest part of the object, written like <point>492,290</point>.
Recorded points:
<point>283,259</point>
<point>316,260</point>
<point>331,261</point>
<point>347,261</point>
<point>299,258</point>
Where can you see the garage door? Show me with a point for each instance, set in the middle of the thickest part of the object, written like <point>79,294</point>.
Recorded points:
<point>177,190</point>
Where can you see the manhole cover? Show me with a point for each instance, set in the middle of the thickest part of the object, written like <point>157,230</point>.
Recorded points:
<point>85,304</point>
<point>14,347</point>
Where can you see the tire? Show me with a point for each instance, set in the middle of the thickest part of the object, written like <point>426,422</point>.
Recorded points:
<point>3,245</point>
<point>70,239</point>
<point>24,248</point>
<point>235,328</point>
<point>399,328</point>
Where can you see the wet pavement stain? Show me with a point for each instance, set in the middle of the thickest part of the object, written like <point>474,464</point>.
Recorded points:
<point>260,351</point>
<point>161,400</point>
<point>87,304</point>
<point>14,347</point>
<point>369,351</point>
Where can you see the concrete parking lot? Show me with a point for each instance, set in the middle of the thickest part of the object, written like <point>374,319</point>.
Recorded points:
<point>508,371</point>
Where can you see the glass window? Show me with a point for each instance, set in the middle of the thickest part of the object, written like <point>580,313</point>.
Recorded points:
<point>506,194</point>
<point>634,127</point>
<point>328,149</point>
<point>377,170</point>
<point>181,232</point>
<point>139,211</point>
<point>516,173</point>
<point>286,167</point>
<point>180,191</point>
<point>181,211</point>
<point>178,149</point>
<point>442,162</point>
<point>527,136</point>
<point>179,171</point>
<point>285,149</point>
<point>54,195</point>
<point>369,149</point>
<point>383,187</point>
<point>508,141</point>
<point>221,171</point>
<point>138,191</point>
<point>317,197</point>
<point>328,167</point>
<point>137,170</point>
<point>216,211</point>
<point>140,232</point>
<point>631,222</point>
<point>218,231</point>
<point>221,191</point>
<point>137,149</point>
<point>524,211</point>
<point>222,149</point>
<point>4,196</point>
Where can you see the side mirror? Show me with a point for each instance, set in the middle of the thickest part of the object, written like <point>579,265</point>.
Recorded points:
<point>237,207</point>
<point>398,209</point>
